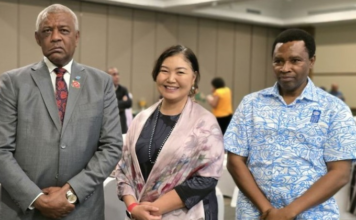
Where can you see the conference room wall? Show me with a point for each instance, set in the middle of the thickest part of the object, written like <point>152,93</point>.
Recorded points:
<point>131,39</point>
<point>335,59</point>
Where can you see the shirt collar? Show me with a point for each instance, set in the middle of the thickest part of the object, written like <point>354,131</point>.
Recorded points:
<point>51,66</point>
<point>309,91</point>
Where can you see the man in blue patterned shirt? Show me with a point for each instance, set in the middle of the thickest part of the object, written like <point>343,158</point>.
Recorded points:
<point>290,147</point>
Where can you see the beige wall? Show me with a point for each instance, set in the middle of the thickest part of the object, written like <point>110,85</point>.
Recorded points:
<point>132,39</point>
<point>336,59</point>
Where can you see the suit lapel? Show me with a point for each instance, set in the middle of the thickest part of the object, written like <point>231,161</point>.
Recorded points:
<point>76,83</point>
<point>42,78</point>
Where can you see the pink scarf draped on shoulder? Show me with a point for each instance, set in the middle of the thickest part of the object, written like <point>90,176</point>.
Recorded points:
<point>194,148</point>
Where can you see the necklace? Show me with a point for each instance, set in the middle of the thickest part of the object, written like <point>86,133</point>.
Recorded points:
<point>152,134</point>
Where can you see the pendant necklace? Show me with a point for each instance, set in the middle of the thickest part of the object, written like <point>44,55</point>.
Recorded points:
<point>152,134</point>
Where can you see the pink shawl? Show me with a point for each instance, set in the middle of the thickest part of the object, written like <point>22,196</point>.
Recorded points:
<point>195,147</point>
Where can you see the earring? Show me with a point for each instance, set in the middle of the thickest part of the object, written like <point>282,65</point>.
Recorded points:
<point>193,87</point>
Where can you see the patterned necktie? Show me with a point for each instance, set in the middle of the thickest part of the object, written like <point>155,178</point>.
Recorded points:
<point>61,92</point>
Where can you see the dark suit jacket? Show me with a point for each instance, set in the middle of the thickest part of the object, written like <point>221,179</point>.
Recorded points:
<point>120,93</point>
<point>36,151</point>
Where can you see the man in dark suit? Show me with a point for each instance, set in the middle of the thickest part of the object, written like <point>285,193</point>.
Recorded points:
<point>59,129</point>
<point>122,95</point>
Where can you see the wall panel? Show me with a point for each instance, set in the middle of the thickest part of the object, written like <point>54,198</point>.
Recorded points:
<point>166,35</point>
<point>119,45</point>
<point>188,32</point>
<point>242,62</point>
<point>270,76</point>
<point>258,58</point>
<point>76,8</point>
<point>143,56</point>
<point>225,53</point>
<point>9,32</point>
<point>93,42</point>
<point>29,51</point>
<point>207,50</point>
<point>166,31</point>
<point>335,59</point>
<point>335,51</point>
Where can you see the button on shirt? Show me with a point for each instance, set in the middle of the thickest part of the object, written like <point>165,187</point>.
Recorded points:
<point>287,146</point>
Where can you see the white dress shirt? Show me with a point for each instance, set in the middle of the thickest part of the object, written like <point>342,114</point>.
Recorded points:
<point>51,67</point>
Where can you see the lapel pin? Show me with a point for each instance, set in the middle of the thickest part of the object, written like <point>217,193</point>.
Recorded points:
<point>315,116</point>
<point>75,84</point>
<point>77,77</point>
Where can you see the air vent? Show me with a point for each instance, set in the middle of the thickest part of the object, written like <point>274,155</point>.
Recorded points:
<point>253,11</point>
<point>332,10</point>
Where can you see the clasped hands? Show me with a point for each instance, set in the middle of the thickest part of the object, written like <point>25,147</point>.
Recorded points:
<point>146,211</point>
<point>53,203</point>
<point>277,214</point>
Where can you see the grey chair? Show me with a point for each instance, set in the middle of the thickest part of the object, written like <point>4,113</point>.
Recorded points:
<point>115,209</point>
<point>221,205</point>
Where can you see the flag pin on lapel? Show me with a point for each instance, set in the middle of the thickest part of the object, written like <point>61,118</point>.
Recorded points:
<point>76,83</point>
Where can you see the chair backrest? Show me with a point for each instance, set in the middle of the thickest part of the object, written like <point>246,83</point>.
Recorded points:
<point>221,205</point>
<point>115,209</point>
<point>234,197</point>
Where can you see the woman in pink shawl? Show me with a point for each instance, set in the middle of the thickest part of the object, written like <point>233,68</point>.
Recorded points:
<point>173,153</point>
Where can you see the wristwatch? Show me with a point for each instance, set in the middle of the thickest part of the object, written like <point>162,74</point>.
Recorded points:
<point>71,197</point>
<point>129,210</point>
<point>128,214</point>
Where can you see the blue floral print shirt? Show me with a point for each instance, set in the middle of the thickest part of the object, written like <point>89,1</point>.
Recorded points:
<point>287,146</point>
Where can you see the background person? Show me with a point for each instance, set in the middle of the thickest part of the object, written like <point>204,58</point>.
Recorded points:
<point>173,176</point>
<point>335,91</point>
<point>221,102</point>
<point>123,98</point>
<point>291,145</point>
<point>59,129</point>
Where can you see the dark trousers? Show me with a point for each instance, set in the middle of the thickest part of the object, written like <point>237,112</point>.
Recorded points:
<point>123,121</point>
<point>224,122</point>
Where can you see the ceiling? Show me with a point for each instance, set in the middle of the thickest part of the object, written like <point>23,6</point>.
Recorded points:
<point>279,13</point>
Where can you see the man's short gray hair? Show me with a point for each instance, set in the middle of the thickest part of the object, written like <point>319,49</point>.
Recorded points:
<point>55,8</point>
